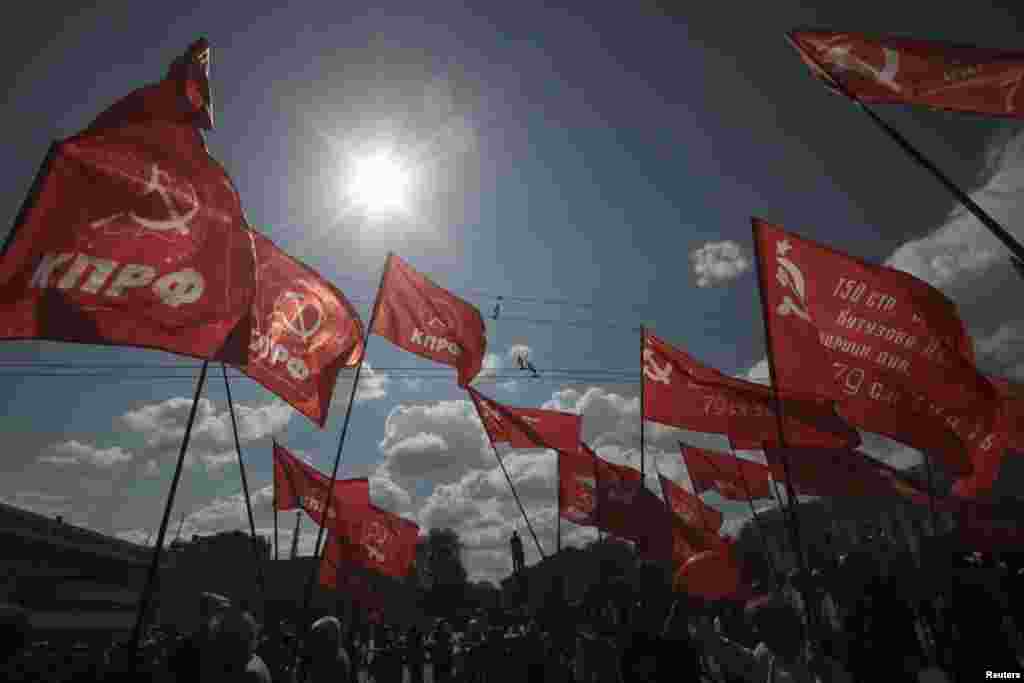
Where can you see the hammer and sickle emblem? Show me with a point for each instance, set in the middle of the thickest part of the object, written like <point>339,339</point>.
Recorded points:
<point>376,537</point>
<point>653,371</point>
<point>296,323</point>
<point>842,57</point>
<point>788,306</point>
<point>176,223</point>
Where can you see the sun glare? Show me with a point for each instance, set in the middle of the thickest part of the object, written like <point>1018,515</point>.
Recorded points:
<point>380,184</point>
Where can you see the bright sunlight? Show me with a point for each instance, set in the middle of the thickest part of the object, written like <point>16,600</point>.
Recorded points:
<point>380,184</point>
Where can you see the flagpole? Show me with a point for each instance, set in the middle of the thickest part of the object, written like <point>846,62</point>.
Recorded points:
<point>277,540</point>
<point>790,492</point>
<point>308,593</point>
<point>31,196</point>
<point>986,219</point>
<point>501,463</point>
<point>931,492</point>
<point>245,490</point>
<point>295,536</point>
<point>643,338</point>
<point>147,592</point>
<point>558,510</point>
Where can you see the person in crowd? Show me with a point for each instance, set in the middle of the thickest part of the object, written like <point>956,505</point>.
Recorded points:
<point>326,661</point>
<point>15,634</point>
<point>677,647</point>
<point>186,662</point>
<point>441,655</point>
<point>414,654</point>
<point>518,558</point>
<point>231,653</point>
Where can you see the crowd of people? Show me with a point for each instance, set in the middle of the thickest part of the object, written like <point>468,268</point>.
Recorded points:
<point>850,622</point>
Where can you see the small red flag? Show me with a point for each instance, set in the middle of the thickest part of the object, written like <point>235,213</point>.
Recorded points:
<point>297,485</point>
<point>135,237</point>
<point>304,332</point>
<point>415,314</point>
<point>681,392</point>
<point>577,487</point>
<point>887,347</point>
<point>734,478</point>
<point>378,540</point>
<point>916,72</point>
<point>528,427</point>
<point>690,508</point>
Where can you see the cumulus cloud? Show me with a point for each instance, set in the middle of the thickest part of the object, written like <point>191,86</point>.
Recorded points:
<point>373,385</point>
<point>717,263</point>
<point>77,453</point>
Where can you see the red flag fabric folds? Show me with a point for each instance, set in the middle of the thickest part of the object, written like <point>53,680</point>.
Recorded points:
<point>577,487</point>
<point>1012,395</point>
<point>840,473</point>
<point>378,540</point>
<point>887,347</point>
<point>304,332</point>
<point>690,508</point>
<point>528,427</point>
<point>297,485</point>
<point>734,478</point>
<point>917,72</point>
<point>135,237</point>
<point>415,314</point>
<point>681,392</point>
<point>336,573</point>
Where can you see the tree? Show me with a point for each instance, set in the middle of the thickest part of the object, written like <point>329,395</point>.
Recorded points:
<point>443,573</point>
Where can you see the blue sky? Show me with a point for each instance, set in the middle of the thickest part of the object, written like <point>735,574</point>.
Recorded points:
<point>576,156</point>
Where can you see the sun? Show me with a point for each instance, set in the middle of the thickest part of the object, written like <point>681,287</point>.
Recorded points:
<point>380,184</point>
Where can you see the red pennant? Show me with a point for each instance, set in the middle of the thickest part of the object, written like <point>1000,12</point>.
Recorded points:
<point>135,238</point>
<point>297,485</point>
<point>415,314</point>
<point>916,72</point>
<point>733,478</point>
<point>528,427</point>
<point>379,540</point>
<point>577,487</point>
<point>681,392</point>
<point>304,332</point>
<point>887,347</point>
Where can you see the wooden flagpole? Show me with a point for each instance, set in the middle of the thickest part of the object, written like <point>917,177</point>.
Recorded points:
<point>308,593</point>
<point>245,490</point>
<point>147,592</point>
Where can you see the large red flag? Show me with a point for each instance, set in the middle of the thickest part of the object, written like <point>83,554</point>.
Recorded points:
<point>681,392</point>
<point>304,332</point>
<point>528,427</point>
<point>617,485</point>
<point>422,318</point>
<point>577,487</point>
<point>135,236</point>
<point>297,485</point>
<point>336,573</point>
<point>734,478</point>
<point>889,348</point>
<point>379,540</point>
<point>917,72</point>
<point>1012,395</point>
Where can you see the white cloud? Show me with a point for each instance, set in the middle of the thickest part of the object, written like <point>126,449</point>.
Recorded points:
<point>717,263</point>
<point>77,453</point>
<point>373,385</point>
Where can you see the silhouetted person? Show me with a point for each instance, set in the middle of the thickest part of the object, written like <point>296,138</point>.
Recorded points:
<point>441,653</point>
<point>231,656</point>
<point>518,560</point>
<point>414,656</point>
<point>326,660</point>
<point>186,662</point>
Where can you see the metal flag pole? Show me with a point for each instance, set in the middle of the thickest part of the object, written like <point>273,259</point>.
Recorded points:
<point>295,534</point>
<point>308,593</point>
<point>276,539</point>
<point>512,486</point>
<point>558,509</point>
<point>776,399</point>
<point>147,592</point>
<point>643,340</point>
<point>245,490</point>
<point>993,226</point>
<point>31,196</point>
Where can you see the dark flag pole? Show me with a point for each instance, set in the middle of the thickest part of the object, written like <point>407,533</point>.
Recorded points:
<point>558,509</point>
<point>147,592</point>
<point>1015,247</point>
<point>643,340</point>
<point>245,490</point>
<point>30,196</point>
<point>276,539</point>
<point>308,593</point>
<point>794,523</point>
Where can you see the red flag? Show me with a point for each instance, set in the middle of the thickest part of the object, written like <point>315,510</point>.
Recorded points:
<point>889,348</point>
<point>297,485</point>
<point>379,540</point>
<point>617,486</point>
<point>734,478</point>
<point>336,573</point>
<point>840,473</point>
<point>918,72</point>
<point>135,237</point>
<point>422,318</point>
<point>1012,395</point>
<point>528,427</point>
<point>304,332</point>
<point>681,392</point>
<point>690,508</point>
<point>577,487</point>
<point>987,526</point>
